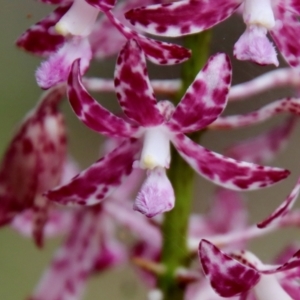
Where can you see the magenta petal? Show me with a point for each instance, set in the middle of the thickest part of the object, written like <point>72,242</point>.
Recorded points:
<point>56,69</point>
<point>102,4</point>
<point>265,146</point>
<point>206,98</point>
<point>163,53</point>
<point>283,209</point>
<point>156,51</point>
<point>227,276</point>
<point>225,171</point>
<point>284,34</point>
<point>91,113</point>
<point>291,105</point>
<point>182,17</point>
<point>133,87</point>
<point>36,154</point>
<point>156,195</point>
<point>100,179</point>
<point>41,38</point>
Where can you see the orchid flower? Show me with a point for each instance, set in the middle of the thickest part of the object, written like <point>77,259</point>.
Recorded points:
<point>66,35</point>
<point>153,125</point>
<point>33,162</point>
<point>279,17</point>
<point>91,244</point>
<point>241,272</point>
<point>228,205</point>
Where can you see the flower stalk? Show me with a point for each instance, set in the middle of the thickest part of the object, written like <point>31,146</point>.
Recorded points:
<point>175,252</point>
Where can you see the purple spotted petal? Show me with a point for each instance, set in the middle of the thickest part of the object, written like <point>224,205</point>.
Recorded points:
<point>163,53</point>
<point>36,154</point>
<point>206,98</point>
<point>156,195</point>
<point>227,276</point>
<point>182,17</point>
<point>284,32</point>
<point>225,171</point>
<point>73,262</point>
<point>133,87</point>
<point>102,4</point>
<point>41,38</point>
<point>291,105</point>
<point>264,147</point>
<point>254,45</point>
<point>91,113</point>
<point>156,51</point>
<point>57,68</point>
<point>283,209</point>
<point>100,179</point>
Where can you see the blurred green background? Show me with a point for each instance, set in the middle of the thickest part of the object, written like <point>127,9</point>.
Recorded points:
<point>21,264</point>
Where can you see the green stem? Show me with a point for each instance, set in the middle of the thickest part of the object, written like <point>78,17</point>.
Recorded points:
<point>174,228</point>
